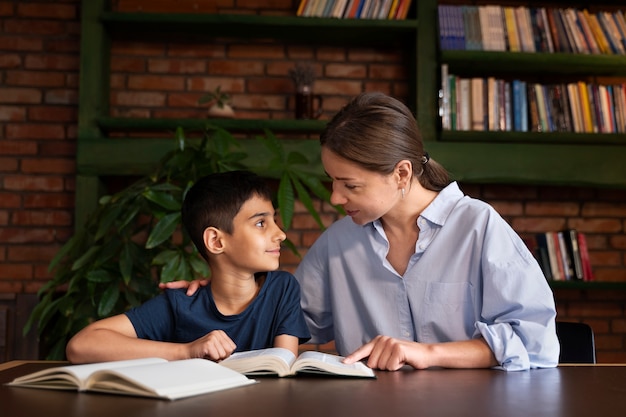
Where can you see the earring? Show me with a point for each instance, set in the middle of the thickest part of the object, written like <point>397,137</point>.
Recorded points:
<point>402,191</point>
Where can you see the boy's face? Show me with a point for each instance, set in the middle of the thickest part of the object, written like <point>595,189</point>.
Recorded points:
<point>255,242</point>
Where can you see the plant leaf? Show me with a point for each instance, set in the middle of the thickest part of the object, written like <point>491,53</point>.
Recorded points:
<point>286,200</point>
<point>163,230</point>
<point>108,300</point>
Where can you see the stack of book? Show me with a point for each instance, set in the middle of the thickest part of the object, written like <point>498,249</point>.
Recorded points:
<point>524,29</point>
<point>492,104</point>
<point>563,255</point>
<point>355,9</point>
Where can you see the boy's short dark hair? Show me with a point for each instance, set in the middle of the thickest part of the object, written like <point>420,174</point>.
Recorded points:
<point>215,200</point>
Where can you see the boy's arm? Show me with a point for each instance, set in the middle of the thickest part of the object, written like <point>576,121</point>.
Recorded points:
<point>114,338</point>
<point>288,342</point>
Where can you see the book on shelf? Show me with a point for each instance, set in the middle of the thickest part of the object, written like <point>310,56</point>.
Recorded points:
<point>534,29</point>
<point>355,9</point>
<point>563,255</point>
<point>282,362</point>
<point>148,377</point>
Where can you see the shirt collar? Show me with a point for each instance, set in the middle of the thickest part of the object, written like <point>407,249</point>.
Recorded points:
<point>440,208</point>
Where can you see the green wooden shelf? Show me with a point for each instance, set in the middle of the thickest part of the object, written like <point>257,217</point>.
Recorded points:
<point>587,285</point>
<point>563,138</point>
<point>362,31</point>
<point>111,124</point>
<point>535,63</point>
<point>508,163</point>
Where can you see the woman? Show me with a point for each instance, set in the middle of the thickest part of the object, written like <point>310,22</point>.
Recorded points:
<point>417,274</point>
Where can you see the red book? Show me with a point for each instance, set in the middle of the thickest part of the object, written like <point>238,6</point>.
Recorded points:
<point>584,257</point>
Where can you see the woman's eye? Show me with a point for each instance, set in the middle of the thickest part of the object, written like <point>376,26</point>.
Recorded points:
<point>350,187</point>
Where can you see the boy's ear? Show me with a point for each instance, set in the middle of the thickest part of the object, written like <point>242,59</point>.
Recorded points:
<point>213,240</point>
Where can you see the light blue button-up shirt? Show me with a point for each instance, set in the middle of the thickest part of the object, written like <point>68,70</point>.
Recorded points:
<point>471,275</point>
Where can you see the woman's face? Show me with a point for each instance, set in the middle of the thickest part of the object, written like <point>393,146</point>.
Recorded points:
<point>364,195</point>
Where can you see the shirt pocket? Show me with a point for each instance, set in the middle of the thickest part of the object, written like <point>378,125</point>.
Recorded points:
<point>446,314</point>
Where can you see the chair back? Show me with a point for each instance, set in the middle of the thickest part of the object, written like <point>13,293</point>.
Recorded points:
<point>577,342</point>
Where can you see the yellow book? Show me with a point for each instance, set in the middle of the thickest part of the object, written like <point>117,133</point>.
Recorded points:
<point>586,108</point>
<point>393,9</point>
<point>511,29</point>
<point>598,34</point>
<point>301,7</point>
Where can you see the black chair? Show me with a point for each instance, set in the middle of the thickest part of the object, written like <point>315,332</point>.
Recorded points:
<point>577,343</point>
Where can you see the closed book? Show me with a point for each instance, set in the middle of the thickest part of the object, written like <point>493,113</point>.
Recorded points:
<point>584,257</point>
<point>571,244</point>
<point>477,87</point>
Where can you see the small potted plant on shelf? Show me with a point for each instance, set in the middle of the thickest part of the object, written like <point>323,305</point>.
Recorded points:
<point>219,103</point>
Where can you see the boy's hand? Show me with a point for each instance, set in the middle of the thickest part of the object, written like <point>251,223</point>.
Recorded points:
<point>192,286</point>
<point>215,346</point>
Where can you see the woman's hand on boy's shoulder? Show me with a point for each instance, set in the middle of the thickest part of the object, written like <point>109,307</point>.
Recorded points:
<point>192,286</point>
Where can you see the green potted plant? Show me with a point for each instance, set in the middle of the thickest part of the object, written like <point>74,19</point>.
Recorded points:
<point>219,103</point>
<point>134,239</point>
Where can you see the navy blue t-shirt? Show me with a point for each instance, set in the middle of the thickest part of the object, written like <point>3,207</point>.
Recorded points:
<point>174,316</point>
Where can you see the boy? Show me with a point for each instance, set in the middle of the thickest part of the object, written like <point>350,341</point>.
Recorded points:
<point>230,218</point>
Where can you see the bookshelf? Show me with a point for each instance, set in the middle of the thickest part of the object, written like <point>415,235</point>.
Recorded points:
<point>485,157</point>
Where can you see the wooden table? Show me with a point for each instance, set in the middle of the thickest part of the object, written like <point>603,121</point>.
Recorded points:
<point>565,391</point>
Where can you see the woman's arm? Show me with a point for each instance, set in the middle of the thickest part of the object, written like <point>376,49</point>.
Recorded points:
<point>391,354</point>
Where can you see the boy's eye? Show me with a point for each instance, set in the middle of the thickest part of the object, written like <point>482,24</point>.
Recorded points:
<point>260,223</point>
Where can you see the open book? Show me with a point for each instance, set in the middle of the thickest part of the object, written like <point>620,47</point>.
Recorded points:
<point>151,377</point>
<point>282,362</point>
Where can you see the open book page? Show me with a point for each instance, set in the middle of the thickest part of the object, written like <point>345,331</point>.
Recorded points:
<point>282,362</point>
<point>152,377</point>
<point>73,377</point>
<point>319,362</point>
<point>261,362</point>
<point>172,380</point>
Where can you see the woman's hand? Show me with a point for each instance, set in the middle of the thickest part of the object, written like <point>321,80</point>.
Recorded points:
<point>192,286</point>
<point>391,354</point>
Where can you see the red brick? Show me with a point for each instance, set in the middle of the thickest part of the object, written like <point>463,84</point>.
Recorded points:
<point>35,78</point>
<point>205,84</point>
<point>15,271</point>
<point>177,66</point>
<point>12,114</point>
<point>61,96</point>
<point>37,252</point>
<point>156,82</point>
<point>10,200</point>
<point>143,99</point>
<point>6,8</point>
<point>235,68</point>
<point>8,164</point>
<point>60,62</point>
<point>348,88</point>
<point>62,45</point>
<point>601,209</point>
<point>17,147</point>
<point>35,131</point>
<point>346,71</point>
<point>52,113</point>
<point>256,51</point>
<point>20,43</point>
<point>20,95</point>
<point>49,200</point>
<point>9,287</point>
<point>41,218</point>
<point>24,235</point>
<point>596,225</point>
<point>48,166</point>
<point>565,209</point>
<point>33,183</point>
<point>35,27</point>
<point>44,9</point>
<point>10,60</point>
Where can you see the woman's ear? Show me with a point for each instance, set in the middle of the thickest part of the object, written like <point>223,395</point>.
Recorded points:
<point>404,171</point>
<point>213,240</point>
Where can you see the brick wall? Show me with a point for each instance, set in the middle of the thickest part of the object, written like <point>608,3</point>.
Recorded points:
<point>39,60</point>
